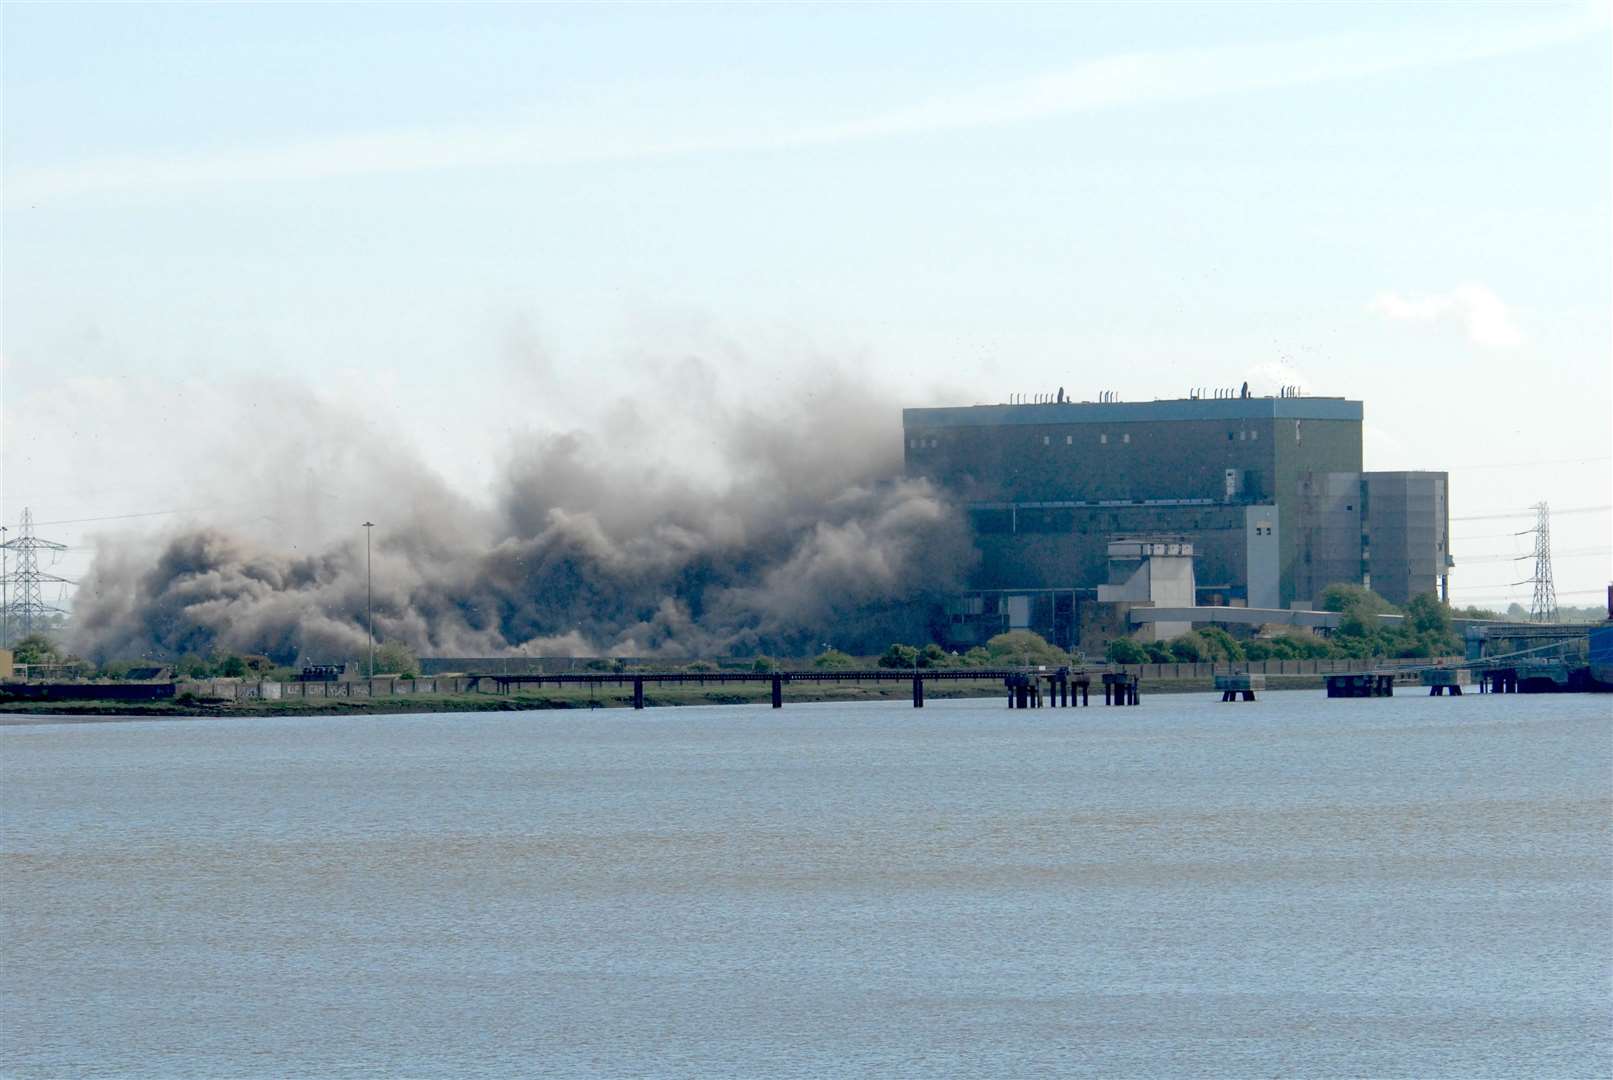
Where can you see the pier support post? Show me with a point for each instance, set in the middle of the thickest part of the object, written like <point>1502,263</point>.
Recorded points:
<point>638,693</point>
<point>778,692</point>
<point>918,692</point>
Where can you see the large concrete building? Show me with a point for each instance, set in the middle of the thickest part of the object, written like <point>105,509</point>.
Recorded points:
<point>1267,492</point>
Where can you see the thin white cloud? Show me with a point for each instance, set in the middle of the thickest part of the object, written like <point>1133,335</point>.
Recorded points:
<point>1484,316</point>
<point>1127,79</point>
<point>1189,74</point>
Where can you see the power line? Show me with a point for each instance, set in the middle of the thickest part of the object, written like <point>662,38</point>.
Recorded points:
<point>1533,511</point>
<point>1577,553</point>
<point>145,514</point>
<point>1520,464</point>
<point>1495,598</point>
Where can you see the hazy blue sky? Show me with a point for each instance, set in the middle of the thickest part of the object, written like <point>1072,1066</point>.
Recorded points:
<point>456,224</point>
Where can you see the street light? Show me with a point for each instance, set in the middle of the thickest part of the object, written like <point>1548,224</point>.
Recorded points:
<point>369,596</point>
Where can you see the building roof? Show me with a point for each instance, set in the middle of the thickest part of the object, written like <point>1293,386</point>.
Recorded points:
<point>1120,412</point>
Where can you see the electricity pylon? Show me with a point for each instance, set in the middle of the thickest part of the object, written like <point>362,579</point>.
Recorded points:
<point>25,598</point>
<point>1544,607</point>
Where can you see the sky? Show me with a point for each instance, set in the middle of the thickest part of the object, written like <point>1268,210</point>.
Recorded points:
<point>452,227</point>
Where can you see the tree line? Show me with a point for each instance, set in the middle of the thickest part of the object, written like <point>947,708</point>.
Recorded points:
<point>391,658</point>
<point>1424,630</point>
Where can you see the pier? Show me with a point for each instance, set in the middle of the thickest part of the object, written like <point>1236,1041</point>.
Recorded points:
<point>1442,681</point>
<point>1361,684</point>
<point>1239,687</point>
<point>1061,688</point>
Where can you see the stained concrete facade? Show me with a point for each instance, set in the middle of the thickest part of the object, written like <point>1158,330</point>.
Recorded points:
<point>1269,491</point>
<point>1049,485</point>
<point>1406,538</point>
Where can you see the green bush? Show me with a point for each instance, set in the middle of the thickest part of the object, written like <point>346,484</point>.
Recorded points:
<point>1342,596</point>
<point>36,649</point>
<point>1025,647</point>
<point>191,666</point>
<point>1125,651</point>
<point>833,658</point>
<point>1222,645</point>
<point>118,669</point>
<point>763,662</point>
<point>1188,648</point>
<point>396,658</point>
<point>899,656</point>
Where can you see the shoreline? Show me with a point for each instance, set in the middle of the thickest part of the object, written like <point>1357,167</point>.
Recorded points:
<point>20,713</point>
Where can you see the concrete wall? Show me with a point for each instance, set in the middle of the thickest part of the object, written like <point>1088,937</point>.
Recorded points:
<point>1068,547</point>
<point>1159,581</point>
<point>1327,514</point>
<point>1262,533</point>
<point>1407,526</point>
<point>91,691</point>
<point>245,690</point>
<point>1187,459</point>
<point>1279,452</point>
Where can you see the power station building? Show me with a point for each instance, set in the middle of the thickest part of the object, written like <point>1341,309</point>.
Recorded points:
<point>1264,497</point>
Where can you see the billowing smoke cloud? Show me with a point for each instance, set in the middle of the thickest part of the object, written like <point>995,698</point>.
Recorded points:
<point>679,524</point>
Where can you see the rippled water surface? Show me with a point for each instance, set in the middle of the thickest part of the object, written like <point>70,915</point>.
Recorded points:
<point>1410,886</point>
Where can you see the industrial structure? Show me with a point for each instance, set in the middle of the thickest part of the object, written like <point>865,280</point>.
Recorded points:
<point>1543,608</point>
<point>1226,499</point>
<point>23,608</point>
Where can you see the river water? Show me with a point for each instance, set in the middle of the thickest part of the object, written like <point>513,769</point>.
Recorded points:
<point>1410,886</point>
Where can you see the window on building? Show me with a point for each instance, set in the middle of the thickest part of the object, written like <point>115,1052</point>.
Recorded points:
<point>1253,435</point>
<point>1103,438</point>
<point>1126,438</point>
<point>1231,435</point>
<point>1047,440</point>
<point>1069,440</point>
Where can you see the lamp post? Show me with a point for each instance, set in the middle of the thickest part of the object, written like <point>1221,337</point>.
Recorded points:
<point>369,597</point>
<point>5,591</point>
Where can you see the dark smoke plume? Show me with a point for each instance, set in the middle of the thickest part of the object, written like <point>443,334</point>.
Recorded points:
<point>681,526</point>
